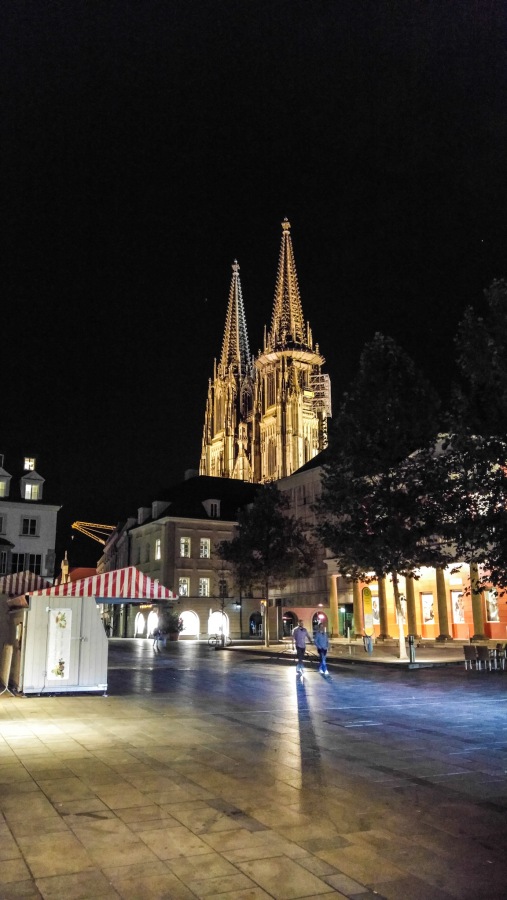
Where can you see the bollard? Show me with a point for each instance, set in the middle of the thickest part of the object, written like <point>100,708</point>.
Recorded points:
<point>411,647</point>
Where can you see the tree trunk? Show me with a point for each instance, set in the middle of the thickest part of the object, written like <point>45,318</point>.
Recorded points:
<point>266,615</point>
<point>476,603</point>
<point>399,610</point>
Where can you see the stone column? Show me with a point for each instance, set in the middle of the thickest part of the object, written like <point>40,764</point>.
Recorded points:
<point>382,602</point>
<point>411,613</point>
<point>477,605</point>
<point>443,617</point>
<point>333,603</point>
<point>358,609</point>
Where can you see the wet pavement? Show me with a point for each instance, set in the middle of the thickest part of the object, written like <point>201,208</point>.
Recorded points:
<point>210,773</point>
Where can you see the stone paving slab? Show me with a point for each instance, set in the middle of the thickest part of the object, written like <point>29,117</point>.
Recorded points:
<point>217,774</point>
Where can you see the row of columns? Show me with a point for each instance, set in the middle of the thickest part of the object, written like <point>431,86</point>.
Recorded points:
<point>442,607</point>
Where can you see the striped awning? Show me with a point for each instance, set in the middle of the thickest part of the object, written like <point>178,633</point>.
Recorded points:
<point>120,584</point>
<point>21,583</point>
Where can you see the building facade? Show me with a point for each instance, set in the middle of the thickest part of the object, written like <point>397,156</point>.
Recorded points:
<point>27,520</point>
<point>175,541</point>
<point>266,416</point>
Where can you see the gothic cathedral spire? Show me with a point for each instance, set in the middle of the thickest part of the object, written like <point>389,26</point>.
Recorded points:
<point>265,418</point>
<point>292,396</point>
<point>229,403</point>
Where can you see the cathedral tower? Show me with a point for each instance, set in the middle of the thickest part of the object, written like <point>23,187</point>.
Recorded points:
<point>228,419</point>
<point>292,397</point>
<point>265,418</point>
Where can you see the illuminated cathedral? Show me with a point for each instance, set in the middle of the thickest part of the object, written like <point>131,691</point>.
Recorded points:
<point>266,416</point>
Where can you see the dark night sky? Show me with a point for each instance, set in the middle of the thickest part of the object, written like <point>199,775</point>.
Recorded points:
<point>147,144</point>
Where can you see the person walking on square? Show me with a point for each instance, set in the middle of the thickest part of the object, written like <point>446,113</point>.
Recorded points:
<point>322,645</point>
<point>300,637</point>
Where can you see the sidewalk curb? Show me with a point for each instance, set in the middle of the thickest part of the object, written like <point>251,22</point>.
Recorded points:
<point>333,661</point>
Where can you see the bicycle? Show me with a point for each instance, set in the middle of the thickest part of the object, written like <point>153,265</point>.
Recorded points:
<point>216,640</point>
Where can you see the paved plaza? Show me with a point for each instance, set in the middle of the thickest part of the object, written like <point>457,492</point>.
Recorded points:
<point>218,774</point>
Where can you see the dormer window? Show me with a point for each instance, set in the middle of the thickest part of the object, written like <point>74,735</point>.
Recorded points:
<point>212,508</point>
<point>32,491</point>
<point>4,487</point>
<point>31,486</point>
<point>29,464</point>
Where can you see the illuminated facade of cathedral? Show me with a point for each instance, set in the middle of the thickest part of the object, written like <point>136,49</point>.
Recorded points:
<point>266,416</point>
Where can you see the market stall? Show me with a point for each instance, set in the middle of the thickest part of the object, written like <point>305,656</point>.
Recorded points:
<point>58,637</point>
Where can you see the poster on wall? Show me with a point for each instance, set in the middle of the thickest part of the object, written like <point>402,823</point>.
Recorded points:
<point>403,605</point>
<point>60,622</point>
<point>367,611</point>
<point>428,612</point>
<point>458,607</point>
<point>492,611</point>
<point>375,609</point>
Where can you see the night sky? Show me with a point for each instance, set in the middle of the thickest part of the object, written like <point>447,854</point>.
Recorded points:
<point>146,145</point>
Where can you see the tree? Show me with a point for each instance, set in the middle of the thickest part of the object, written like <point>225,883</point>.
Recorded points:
<point>466,499</point>
<point>481,345</point>
<point>370,518</point>
<point>270,546</point>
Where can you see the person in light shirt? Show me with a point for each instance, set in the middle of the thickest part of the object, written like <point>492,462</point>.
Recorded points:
<point>300,638</point>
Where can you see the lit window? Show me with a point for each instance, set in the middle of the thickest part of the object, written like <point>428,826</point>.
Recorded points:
<point>29,464</point>
<point>204,549</point>
<point>3,488</point>
<point>203,587</point>
<point>185,546</point>
<point>31,491</point>
<point>29,526</point>
<point>184,587</point>
<point>158,550</point>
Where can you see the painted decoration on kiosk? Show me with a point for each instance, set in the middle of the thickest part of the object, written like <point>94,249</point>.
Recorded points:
<point>367,611</point>
<point>60,623</point>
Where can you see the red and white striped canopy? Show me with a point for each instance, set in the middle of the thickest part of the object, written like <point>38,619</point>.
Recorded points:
<point>22,582</point>
<point>120,584</point>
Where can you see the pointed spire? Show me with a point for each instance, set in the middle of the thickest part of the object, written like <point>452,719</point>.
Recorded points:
<point>235,347</point>
<point>287,321</point>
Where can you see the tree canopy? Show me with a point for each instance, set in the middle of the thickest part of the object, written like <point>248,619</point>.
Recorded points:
<point>481,356</point>
<point>270,546</point>
<point>369,518</point>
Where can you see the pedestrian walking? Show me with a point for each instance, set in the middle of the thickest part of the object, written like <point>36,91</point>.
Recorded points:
<point>368,643</point>
<point>156,637</point>
<point>322,645</point>
<point>300,638</point>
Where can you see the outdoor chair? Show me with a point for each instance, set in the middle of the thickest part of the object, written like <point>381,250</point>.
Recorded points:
<point>470,652</point>
<point>499,656</point>
<point>483,657</point>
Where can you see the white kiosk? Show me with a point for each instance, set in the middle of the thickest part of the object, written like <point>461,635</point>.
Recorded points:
<point>57,634</point>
